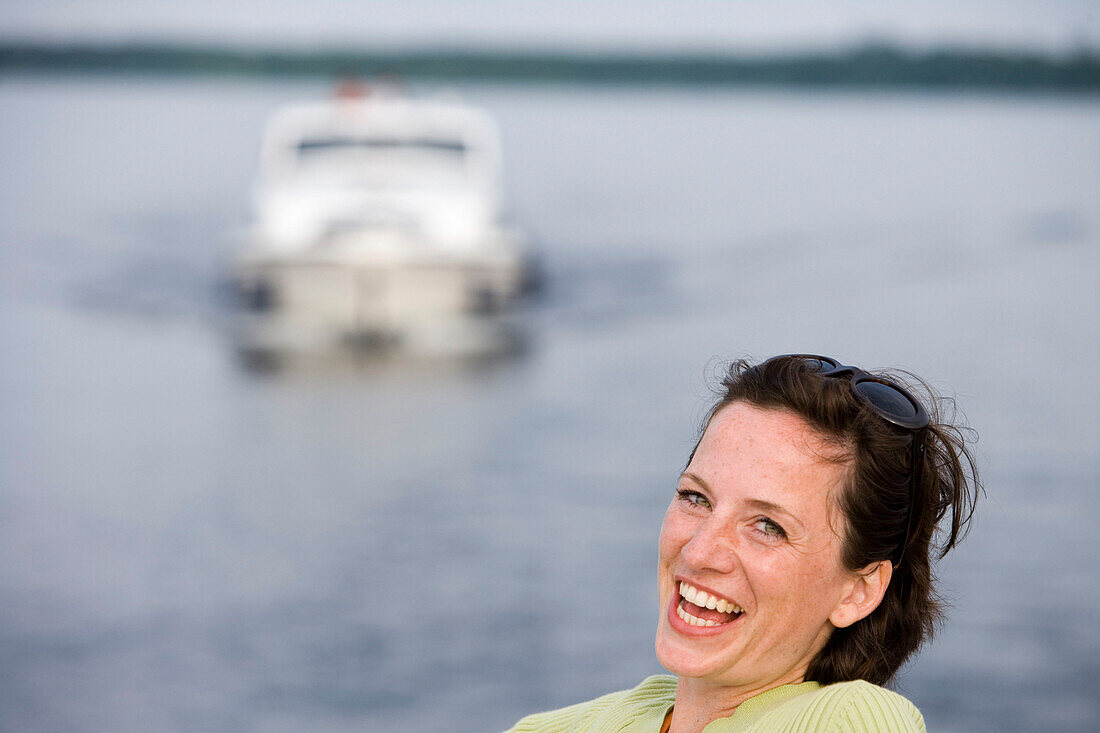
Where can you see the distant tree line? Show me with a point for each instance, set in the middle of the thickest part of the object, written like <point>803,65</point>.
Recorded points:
<point>867,66</point>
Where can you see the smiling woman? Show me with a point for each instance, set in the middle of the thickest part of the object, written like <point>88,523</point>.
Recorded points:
<point>795,568</point>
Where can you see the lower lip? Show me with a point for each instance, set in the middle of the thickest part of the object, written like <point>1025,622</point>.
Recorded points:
<point>683,627</point>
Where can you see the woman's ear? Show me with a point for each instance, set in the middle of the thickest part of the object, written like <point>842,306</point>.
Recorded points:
<point>867,588</point>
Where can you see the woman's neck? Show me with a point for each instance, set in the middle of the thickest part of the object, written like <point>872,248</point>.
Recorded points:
<point>699,702</point>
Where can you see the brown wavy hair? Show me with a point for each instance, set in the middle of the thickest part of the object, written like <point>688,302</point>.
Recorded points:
<point>875,504</point>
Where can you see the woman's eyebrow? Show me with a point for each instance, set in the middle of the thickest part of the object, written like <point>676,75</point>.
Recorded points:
<point>768,506</point>
<point>695,478</point>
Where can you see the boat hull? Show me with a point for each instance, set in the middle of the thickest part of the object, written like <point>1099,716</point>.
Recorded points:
<point>308,303</point>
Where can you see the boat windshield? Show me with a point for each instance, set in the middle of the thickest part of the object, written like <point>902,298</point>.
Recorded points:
<point>345,144</point>
<point>389,162</point>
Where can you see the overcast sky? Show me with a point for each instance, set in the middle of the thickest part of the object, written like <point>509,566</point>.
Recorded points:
<point>631,25</point>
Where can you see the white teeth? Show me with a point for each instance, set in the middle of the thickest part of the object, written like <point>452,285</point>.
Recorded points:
<point>693,620</point>
<point>706,600</point>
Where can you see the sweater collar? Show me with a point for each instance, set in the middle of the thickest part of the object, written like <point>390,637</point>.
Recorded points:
<point>757,705</point>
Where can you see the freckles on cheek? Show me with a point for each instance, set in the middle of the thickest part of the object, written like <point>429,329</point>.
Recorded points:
<point>792,576</point>
<point>670,531</point>
<point>807,582</point>
<point>667,546</point>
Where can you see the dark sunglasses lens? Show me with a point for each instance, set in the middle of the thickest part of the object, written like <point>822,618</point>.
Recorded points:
<point>814,364</point>
<point>887,399</point>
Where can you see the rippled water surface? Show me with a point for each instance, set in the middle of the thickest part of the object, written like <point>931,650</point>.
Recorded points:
<point>399,544</point>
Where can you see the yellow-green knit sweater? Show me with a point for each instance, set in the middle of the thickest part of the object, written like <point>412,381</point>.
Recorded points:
<point>846,706</point>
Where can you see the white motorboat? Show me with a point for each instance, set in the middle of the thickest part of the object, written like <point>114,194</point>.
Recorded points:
<point>378,221</point>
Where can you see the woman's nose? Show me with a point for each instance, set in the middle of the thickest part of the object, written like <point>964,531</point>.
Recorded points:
<point>712,547</point>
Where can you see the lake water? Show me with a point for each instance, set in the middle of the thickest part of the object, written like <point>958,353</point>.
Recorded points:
<point>412,545</point>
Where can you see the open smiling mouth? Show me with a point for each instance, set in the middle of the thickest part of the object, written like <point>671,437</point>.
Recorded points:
<point>700,608</point>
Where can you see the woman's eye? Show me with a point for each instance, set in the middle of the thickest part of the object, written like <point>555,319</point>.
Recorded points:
<point>769,527</point>
<point>693,497</point>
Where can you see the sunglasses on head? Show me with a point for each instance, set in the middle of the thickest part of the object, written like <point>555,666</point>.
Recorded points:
<point>893,404</point>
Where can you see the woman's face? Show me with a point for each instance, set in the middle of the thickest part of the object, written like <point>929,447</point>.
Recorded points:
<point>750,569</point>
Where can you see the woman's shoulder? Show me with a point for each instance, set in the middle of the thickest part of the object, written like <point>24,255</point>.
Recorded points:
<point>845,706</point>
<point>861,703</point>
<point>612,712</point>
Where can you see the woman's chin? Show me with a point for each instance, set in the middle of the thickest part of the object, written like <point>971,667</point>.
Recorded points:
<point>677,655</point>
